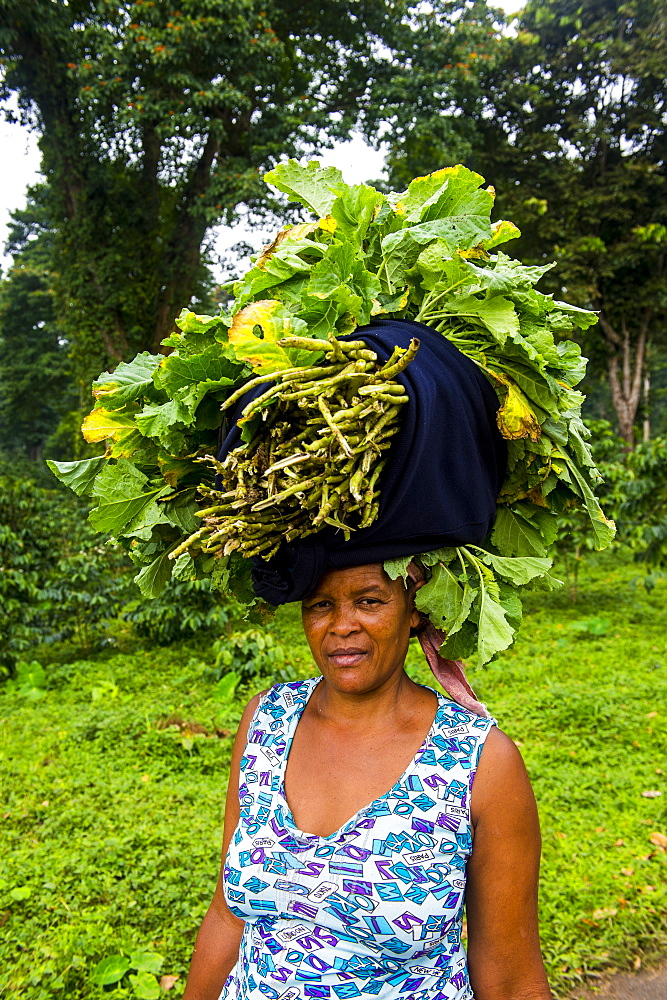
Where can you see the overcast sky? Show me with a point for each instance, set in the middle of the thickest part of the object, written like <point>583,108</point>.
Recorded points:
<point>20,168</point>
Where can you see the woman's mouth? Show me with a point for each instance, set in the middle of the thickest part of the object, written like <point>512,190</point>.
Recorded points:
<point>347,656</point>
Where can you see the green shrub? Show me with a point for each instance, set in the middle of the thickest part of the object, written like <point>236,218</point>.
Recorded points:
<point>58,579</point>
<point>185,608</point>
<point>247,656</point>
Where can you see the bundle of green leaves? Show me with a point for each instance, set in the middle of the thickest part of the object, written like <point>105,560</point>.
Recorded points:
<point>428,254</point>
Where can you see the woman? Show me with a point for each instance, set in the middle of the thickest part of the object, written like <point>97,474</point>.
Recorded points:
<point>353,829</point>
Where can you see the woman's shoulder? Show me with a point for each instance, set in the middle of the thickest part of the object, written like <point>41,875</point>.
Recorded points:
<point>281,697</point>
<point>453,717</point>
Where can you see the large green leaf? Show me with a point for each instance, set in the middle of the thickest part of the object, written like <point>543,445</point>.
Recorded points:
<point>197,332</point>
<point>339,312</point>
<point>457,232</point>
<point>79,476</point>
<point>163,422</point>
<point>145,986</point>
<point>106,425</point>
<point>570,362</point>
<point>516,536</point>
<point>423,192</point>
<point>495,632</point>
<point>460,196</point>
<point>313,186</point>
<point>539,387</point>
<point>517,569</point>
<point>124,503</point>
<point>603,529</point>
<point>397,567</point>
<point>461,644</point>
<point>152,579</point>
<point>445,600</point>
<point>181,511</point>
<point>128,382</point>
<point>110,970</point>
<point>354,210</point>
<point>333,270</point>
<point>147,961</point>
<point>496,313</point>
<point>212,369</point>
<point>437,268</point>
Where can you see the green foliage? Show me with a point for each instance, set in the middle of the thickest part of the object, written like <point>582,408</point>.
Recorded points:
<point>642,505</point>
<point>247,656</point>
<point>59,578</point>
<point>117,970</point>
<point>30,680</point>
<point>565,117</point>
<point>634,492</point>
<point>36,389</point>
<point>113,805</point>
<point>156,123</point>
<point>184,609</point>
<point>423,254</point>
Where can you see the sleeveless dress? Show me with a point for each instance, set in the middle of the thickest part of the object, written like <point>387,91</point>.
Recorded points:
<point>374,909</point>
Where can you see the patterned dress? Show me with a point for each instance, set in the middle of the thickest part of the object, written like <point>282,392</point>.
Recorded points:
<point>374,909</point>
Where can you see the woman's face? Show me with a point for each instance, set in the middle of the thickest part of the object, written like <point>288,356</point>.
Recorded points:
<point>357,622</point>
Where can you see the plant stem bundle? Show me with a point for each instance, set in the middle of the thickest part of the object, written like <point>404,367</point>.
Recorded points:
<point>319,438</point>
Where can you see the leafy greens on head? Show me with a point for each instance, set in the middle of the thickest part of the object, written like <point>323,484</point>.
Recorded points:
<point>429,254</point>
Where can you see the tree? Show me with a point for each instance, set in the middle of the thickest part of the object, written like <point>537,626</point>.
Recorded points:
<point>156,122</point>
<point>35,382</point>
<point>570,124</point>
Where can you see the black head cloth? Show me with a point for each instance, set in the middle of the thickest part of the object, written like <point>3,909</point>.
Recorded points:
<point>443,475</point>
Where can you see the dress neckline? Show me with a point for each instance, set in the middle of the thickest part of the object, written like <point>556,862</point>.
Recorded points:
<point>294,722</point>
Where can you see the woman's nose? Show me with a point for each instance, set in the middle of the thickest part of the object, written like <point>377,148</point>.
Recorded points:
<point>344,620</point>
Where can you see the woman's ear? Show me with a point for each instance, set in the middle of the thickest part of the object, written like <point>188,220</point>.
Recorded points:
<point>412,588</point>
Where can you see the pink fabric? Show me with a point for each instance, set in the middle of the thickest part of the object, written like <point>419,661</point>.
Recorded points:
<point>450,674</point>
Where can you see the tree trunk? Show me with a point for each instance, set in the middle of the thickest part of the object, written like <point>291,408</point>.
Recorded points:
<point>647,406</point>
<point>626,370</point>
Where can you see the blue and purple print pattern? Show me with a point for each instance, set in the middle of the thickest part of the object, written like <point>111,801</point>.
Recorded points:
<point>374,909</point>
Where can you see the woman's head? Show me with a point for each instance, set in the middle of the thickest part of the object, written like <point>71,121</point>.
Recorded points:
<point>357,622</point>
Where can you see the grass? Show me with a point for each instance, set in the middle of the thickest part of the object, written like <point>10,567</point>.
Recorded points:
<point>111,825</point>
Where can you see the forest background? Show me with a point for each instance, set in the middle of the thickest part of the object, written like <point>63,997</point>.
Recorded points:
<point>156,124</point>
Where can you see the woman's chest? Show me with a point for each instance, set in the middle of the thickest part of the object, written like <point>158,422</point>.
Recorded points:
<point>328,781</point>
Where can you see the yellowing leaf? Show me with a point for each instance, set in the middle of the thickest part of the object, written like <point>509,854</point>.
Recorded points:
<point>274,322</point>
<point>502,232</point>
<point>328,224</point>
<point>659,839</point>
<point>289,233</point>
<point>515,418</point>
<point>102,425</point>
<point>128,441</point>
<point>174,469</point>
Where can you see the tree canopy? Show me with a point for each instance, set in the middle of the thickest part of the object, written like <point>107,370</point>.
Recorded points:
<point>36,388</point>
<point>568,119</point>
<point>156,122</point>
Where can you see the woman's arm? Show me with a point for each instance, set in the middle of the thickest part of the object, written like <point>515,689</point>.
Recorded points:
<point>504,957</point>
<point>217,946</point>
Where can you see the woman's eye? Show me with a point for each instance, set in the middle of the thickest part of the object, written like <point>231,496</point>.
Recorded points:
<point>369,601</point>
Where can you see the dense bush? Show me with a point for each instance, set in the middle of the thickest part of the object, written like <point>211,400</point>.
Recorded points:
<point>184,609</point>
<point>245,657</point>
<point>60,579</point>
<point>633,494</point>
<point>57,578</point>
